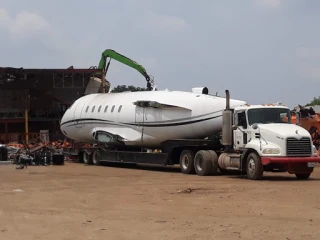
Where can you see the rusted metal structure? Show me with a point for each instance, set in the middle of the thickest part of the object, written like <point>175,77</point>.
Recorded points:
<point>35,99</point>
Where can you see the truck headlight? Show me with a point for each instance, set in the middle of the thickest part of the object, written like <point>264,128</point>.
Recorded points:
<point>314,150</point>
<point>271,151</point>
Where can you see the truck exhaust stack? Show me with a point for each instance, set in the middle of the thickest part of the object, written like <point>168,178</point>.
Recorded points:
<point>227,100</point>
<point>227,123</point>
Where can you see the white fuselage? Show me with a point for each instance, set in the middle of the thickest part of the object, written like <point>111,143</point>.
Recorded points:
<point>191,115</point>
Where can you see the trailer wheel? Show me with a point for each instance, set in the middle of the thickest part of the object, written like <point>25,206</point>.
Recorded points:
<point>203,163</point>
<point>187,162</point>
<point>96,158</point>
<point>254,167</point>
<point>214,160</point>
<point>302,176</point>
<point>86,158</point>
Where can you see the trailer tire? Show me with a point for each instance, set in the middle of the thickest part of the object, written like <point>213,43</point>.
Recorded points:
<point>203,163</point>
<point>187,162</point>
<point>254,167</point>
<point>86,158</point>
<point>302,176</point>
<point>96,158</point>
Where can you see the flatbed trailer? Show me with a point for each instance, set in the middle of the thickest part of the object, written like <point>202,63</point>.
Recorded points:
<point>179,151</point>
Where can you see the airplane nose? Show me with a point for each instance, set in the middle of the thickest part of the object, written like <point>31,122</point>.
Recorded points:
<point>63,119</point>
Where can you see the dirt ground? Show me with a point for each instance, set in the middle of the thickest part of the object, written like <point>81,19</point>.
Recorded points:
<point>75,201</point>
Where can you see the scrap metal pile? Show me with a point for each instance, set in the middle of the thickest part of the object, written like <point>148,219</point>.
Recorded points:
<point>36,153</point>
<point>309,120</point>
<point>37,143</point>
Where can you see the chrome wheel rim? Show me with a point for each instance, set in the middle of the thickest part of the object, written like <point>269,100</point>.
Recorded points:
<point>251,166</point>
<point>185,162</point>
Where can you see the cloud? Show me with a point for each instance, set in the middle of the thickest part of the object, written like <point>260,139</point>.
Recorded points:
<point>148,62</point>
<point>309,62</point>
<point>25,24</point>
<point>269,3</point>
<point>166,22</point>
<point>310,71</point>
<point>308,52</point>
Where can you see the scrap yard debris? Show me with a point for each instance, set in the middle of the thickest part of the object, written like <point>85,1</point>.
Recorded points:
<point>60,144</point>
<point>37,153</point>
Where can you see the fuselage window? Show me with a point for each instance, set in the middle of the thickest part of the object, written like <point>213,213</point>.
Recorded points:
<point>106,108</point>
<point>112,108</point>
<point>119,109</point>
<point>87,108</point>
<point>93,108</point>
<point>99,108</point>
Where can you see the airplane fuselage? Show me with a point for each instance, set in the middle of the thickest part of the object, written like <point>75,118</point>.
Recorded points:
<point>178,115</point>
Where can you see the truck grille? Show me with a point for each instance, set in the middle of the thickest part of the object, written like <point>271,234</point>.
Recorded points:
<point>300,147</point>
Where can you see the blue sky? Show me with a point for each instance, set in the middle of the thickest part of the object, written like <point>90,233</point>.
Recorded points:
<point>261,50</point>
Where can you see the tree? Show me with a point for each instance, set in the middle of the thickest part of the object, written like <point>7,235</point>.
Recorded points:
<point>315,101</point>
<point>122,88</point>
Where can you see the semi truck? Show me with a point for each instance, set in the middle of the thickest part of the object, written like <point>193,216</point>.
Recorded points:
<point>254,139</point>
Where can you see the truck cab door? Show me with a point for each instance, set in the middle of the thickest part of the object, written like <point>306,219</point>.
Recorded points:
<point>240,135</point>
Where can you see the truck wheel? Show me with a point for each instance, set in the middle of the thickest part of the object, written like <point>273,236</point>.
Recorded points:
<point>214,160</point>
<point>303,176</point>
<point>254,167</point>
<point>96,158</point>
<point>86,158</point>
<point>187,162</point>
<point>223,171</point>
<point>203,163</point>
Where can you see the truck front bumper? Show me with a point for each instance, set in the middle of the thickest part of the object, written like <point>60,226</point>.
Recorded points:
<point>289,160</point>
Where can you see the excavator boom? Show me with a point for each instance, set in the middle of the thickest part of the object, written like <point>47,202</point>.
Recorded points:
<point>127,61</point>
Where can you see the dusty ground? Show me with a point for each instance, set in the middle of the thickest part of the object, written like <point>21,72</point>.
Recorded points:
<point>88,202</point>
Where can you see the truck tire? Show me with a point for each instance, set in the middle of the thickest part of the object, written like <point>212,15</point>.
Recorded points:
<point>303,176</point>
<point>203,163</point>
<point>254,167</point>
<point>214,160</point>
<point>96,158</point>
<point>223,171</point>
<point>86,158</point>
<point>187,162</point>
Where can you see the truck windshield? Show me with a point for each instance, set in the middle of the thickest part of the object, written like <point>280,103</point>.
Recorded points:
<point>269,115</point>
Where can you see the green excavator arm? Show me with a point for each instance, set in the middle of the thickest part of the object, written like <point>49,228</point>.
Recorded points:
<point>127,61</point>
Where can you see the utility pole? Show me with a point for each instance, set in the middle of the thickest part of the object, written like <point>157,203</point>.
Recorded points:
<point>26,115</point>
